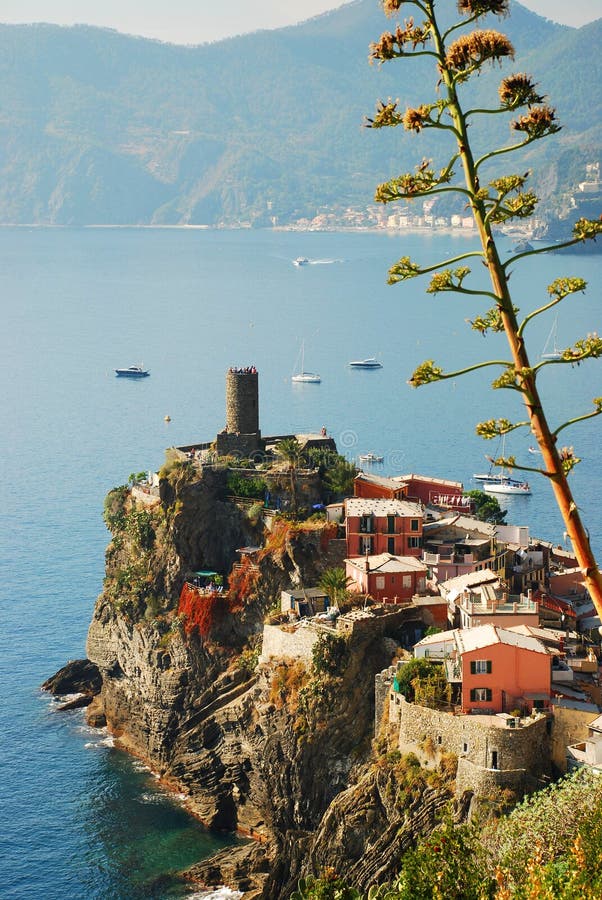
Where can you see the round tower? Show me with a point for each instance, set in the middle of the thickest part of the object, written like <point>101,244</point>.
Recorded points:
<point>242,401</point>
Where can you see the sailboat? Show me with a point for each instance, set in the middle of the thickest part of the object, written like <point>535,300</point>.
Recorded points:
<point>501,482</point>
<point>302,376</point>
<point>551,350</point>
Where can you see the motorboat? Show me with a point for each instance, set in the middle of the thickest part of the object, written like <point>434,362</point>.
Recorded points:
<point>132,372</point>
<point>507,485</point>
<point>370,363</point>
<point>370,457</point>
<point>301,261</point>
<point>303,377</point>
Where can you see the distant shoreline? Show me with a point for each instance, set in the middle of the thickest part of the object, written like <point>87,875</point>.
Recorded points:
<point>377,229</point>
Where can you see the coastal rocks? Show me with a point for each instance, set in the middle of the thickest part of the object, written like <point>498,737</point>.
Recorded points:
<point>80,676</point>
<point>365,832</point>
<point>146,677</point>
<point>244,868</point>
<point>263,750</point>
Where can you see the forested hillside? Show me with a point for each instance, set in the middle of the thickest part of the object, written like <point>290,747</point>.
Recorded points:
<point>99,127</point>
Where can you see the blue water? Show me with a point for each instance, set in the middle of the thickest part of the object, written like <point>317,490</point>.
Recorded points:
<point>78,818</point>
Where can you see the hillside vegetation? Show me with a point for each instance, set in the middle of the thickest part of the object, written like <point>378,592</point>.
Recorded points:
<point>102,128</point>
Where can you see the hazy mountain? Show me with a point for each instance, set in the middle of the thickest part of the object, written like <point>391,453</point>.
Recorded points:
<point>98,127</point>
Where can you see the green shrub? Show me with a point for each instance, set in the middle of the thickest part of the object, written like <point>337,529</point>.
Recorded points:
<point>329,653</point>
<point>240,486</point>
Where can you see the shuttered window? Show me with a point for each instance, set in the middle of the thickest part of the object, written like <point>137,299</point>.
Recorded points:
<point>480,667</point>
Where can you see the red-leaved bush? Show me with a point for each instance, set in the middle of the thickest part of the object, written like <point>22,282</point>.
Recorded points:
<point>201,611</point>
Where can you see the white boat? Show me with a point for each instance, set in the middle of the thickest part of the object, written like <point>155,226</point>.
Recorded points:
<point>370,457</point>
<point>489,477</point>
<point>132,372</point>
<point>534,450</point>
<point>303,377</point>
<point>551,349</point>
<point>507,486</point>
<point>370,363</point>
<point>501,482</point>
<point>301,261</point>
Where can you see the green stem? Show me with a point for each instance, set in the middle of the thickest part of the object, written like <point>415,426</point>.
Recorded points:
<point>545,249</point>
<point>582,418</point>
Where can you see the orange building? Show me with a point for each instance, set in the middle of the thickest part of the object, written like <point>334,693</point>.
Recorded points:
<point>502,670</point>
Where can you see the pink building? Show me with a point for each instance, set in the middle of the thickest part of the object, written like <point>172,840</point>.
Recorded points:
<point>390,579</point>
<point>374,526</point>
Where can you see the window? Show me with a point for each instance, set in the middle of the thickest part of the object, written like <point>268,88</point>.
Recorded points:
<point>366,524</point>
<point>494,763</point>
<point>391,546</point>
<point>366,545</point>
<point>391,524</point>
<point>464,748</point>
<point>481,695</point>
<point>407,581</point>
<point>414,525</point>
<point>414,542</point>
<point>480,667</point>
<point>380,582</point>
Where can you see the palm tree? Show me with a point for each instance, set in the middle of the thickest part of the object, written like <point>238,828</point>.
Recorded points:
<point>335,583</point>
<point>289,450</point>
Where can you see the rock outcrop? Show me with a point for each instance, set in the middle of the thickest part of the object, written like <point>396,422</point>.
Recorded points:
<point>280,752</point>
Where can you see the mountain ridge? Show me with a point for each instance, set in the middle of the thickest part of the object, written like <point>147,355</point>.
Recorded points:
<point>104,128</point>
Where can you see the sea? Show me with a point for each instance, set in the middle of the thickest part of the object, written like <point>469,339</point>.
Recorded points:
<point>80,819</point>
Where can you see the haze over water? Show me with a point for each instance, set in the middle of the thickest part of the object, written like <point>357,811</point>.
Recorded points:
<point>79,819</point>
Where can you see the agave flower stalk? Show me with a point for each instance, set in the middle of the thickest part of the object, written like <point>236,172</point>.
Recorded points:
<point>457,59</point>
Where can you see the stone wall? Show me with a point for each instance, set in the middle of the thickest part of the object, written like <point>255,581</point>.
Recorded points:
<point>374,620</point>
<point>241,445</point>
<point>289,644</point>
<point>383,682</point>
<point>489,752</point>
<point>569,726</point>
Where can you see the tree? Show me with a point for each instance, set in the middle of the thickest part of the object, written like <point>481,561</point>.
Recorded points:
<point>457,58</point>
<point>336,472</point>
<point>416,672</point>
<point>486,507</point>
<point>289,450</point>
<point>335,583</point>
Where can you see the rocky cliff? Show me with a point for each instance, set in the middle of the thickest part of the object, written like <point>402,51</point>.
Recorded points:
<point>281,752</point>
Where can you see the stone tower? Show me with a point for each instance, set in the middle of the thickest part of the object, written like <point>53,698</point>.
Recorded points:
<point>242,401</point>
<point>241,436</point>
